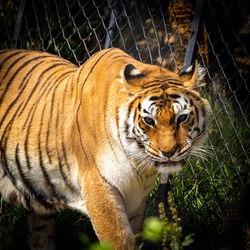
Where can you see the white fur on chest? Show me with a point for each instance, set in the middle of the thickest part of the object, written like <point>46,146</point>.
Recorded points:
<point>119,172</point>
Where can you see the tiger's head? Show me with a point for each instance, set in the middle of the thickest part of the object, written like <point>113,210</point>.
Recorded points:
<point>166,120</point>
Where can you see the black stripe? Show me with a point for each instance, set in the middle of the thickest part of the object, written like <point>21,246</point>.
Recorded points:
<point>10,56</point>
<point>174,96</point>
<point>13,102</point>
<point>141,127</point>
<point>191,102</point>
<point>172,120</point>
<point>26,149</point>
<point>139,144</point>
<point>204,116</point>
<point>41,164</point>
<point>7,112</point>
<point>197,113</point>
<point>135,113</point>
<point>25,182</point>
<point>3,143</point>
<point>175,83</point>
<point>51,109</point>
<point>154,98</point>
<point>145,111</point>
<point>130,107</point>
<point>39,81</point>
<point>6,168</point>
<point>5,51</point>
<point>154,81</point>
<point>177,126</point>
<point>138,131</point>
<point>150,86</point>
<point>9,124</point>
<point>151,105</point>
<point>64,176</point>
<point>28,75</point>
<point>32,69</point>
<point>38,194</point>
<point>11,79</point>
<point>192,122</point>
<point>90,71</point>
<point>12,65</point>
<point>139,106</point>
<point>131,138</point>
<point>126,128</point>
<point>3,148</point>
<point>134,130</point>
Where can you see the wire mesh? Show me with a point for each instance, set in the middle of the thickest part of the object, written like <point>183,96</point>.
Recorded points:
<point>210,192</point>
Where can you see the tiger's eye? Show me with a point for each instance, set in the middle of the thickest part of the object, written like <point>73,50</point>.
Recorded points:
<point>182,118</point>
<point>149,121</point>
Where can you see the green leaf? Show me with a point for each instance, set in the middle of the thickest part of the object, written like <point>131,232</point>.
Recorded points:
<point>174,243</point>
<point>152,229</point>
<point>188,240</point>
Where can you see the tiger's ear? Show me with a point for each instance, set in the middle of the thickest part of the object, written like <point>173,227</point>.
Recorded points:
<point>133,78</point>
<point>193,76</point>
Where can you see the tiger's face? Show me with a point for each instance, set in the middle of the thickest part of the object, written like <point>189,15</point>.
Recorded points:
<point>166,122</point>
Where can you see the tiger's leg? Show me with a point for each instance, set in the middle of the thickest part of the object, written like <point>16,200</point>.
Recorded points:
<point>41,231</point>
<point>107,212</point>
<point>8,191</point>
<point>136,219</point>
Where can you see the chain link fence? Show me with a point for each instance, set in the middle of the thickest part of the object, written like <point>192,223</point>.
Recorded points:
<point>211,193</point>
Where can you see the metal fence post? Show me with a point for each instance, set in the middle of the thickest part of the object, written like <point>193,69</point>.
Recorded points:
<point>112,25</point>
<point>18,24</point>
<point>189,55</point>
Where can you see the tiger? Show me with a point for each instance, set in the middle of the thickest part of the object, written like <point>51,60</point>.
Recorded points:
<point>94,138</point>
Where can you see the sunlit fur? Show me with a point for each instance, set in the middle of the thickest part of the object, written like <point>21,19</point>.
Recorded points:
<point>94,138</point>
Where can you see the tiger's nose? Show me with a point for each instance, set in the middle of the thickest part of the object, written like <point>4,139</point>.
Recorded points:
<point>171,152</point>
<point>168,153</point>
